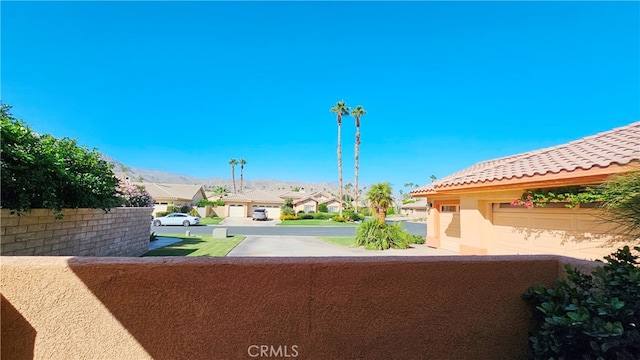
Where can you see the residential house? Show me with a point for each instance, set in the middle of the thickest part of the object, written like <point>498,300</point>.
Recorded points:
<point>471,212</point>
<point>311,202</point>
<point>176,195</point>
<point>415,210</point>
<point>242,205</point>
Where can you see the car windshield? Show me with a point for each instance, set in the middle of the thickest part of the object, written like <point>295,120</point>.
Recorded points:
<point>259,210</point>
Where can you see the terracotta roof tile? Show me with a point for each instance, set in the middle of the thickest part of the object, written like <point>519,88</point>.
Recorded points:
<point>171,191</point>
<point>618,146</point>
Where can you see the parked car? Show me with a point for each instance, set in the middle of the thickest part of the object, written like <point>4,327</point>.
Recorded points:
<point>176,219</point>
<point>260,214</point>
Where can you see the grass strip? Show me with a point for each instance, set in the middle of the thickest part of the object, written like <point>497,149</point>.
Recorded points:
<point>203,245</point>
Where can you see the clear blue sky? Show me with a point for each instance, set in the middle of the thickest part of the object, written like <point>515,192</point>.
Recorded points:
<point>184,87</point>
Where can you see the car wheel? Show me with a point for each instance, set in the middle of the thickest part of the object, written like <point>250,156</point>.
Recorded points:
<point>186,223</point>
<point>157,223</point>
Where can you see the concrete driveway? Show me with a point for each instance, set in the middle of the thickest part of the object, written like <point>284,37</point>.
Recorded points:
<point>308,246</point>
<point>230,221</point>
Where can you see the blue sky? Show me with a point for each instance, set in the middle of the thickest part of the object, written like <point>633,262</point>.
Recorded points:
<point>184,87</point>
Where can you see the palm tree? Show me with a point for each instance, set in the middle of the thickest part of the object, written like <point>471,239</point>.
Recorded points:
<point>233,163</point>
<point>242,163</point>
<point>220,191</point>
<point>358,112</point>
<point>340,109</point>
<point>380,198</point>
<point>433,178</point>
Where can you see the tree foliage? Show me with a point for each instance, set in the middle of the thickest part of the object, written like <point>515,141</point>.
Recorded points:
<point>621,202</point>
<point>40,171</point>
<point>379,196</point>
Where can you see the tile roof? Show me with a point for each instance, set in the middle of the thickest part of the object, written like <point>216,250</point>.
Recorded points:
<point>255,196</point>
<point>171,191</point>
<point>618,146</point>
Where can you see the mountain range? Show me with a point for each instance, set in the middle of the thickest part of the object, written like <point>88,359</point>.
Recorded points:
<point>161,176</point>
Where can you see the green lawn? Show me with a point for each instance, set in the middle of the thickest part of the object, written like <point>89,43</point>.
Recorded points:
<point>315,222</point>
<point>210,221</point>
<point>347,241</point>
<point>204,245</point>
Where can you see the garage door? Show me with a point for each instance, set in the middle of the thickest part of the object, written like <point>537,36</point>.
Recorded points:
<point>273,211</point>
<point>236,211</point>
<point>450,228</point>
<point>552,230</point>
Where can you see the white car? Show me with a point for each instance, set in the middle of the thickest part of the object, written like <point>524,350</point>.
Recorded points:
<point>176,219</point>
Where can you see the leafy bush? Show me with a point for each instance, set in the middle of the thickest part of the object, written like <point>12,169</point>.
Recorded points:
<point>305,216</point>
<point>170,209</point>
<point>322,216</point>
<point>374,235</point>
<point>182,209</point>
<point>593,316</point>
<point>300,212</point>
<point>134,195</point>
<point>194,212</point>
<point>288,217</point>
<point>205,202</point>
<point>352,216</point>
<point>41,171</point>
<point>416,239</point>
<point>162,213</point>
<point>323,208</point>
<point>338,218</point>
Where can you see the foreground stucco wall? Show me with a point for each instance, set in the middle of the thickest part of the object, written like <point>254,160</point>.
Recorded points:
<point>80,232</point>
<point>315,308</point>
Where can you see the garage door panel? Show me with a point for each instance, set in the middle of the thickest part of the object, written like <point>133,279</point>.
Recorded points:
<point>450,231</point>
<point>236,211</point>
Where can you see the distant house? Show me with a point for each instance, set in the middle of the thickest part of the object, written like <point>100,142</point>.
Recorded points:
<point>242,205</point>
<point>310,202</point>
<point>415,210</point>
<point>471,212</point>
<point>174,194</point>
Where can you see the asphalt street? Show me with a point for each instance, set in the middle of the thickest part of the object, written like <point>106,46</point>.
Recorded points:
<point>414,228</point>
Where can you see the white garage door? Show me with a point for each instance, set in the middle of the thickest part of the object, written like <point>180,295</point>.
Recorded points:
<point>236,210</point>
<point>450,228</point>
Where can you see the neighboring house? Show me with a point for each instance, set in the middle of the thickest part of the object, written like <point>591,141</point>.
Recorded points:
<point>309,202</point>
<point>242,205</point>
<point>471,212</point>
<point>415,210</point>
<point>173,194</point>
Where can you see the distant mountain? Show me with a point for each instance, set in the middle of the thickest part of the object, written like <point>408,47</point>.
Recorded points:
<point>161,176</point>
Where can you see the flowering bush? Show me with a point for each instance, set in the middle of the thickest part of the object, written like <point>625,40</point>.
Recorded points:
<point>572,196</point>
<point>134,196</point>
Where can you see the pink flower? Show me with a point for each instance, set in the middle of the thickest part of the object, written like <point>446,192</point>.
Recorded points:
<point>528,204</point>
<point>515,203</point>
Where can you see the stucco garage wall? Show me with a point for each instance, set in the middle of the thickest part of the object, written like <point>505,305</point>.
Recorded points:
<point>80,232</point>
<point>581,233</point>
<point>210,308</point>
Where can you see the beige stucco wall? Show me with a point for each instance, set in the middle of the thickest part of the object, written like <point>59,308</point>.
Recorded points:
<point>561,231</point>
<point>217,308</point>
<point>80,232</point>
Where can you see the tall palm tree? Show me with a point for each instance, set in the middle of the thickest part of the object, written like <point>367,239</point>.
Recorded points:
<point>340,109</point>
<point>380,198</point>
<point>357,113</point>
<point>242,163</point>
<point>233,163</point>
<point>221,191</point>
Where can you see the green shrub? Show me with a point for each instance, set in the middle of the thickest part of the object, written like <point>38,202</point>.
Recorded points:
<point>219,202</point>
<point>162,213</point>
<point>391,211</point>
<point>194,212</point>
<point>338,218</point>
<point>593,316</point>
<point>352,216</point>
<point>205,202</point>
<point>300,212</point>
<point>416,239</point>
<point>170,209</point>
<point>376,236</point>
<point>305,216</point>
<point>322,216</point>
<point>41,171</point>
<point>288,217</point>
<point>323,208</point>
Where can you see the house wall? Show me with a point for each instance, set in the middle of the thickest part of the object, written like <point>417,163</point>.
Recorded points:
<point>485,228</point>
<point>221,308</point>
<point>81,232</point>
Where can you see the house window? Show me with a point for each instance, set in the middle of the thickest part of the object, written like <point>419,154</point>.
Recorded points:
<point>333,209</point>
<point>449,208</point>
<point>309,208</point>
